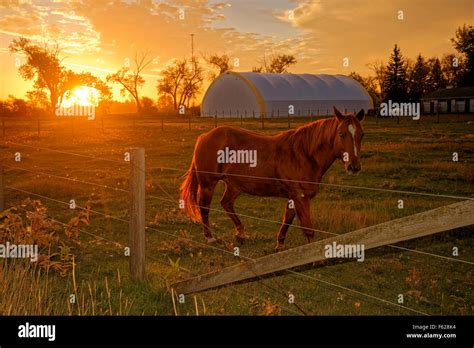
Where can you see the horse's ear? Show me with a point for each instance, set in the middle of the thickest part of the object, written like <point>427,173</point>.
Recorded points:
<point>338,114</point>
<point>360,115</point>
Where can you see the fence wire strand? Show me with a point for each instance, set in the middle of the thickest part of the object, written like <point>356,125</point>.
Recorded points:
<point>321,231</point>
<point>65,152</point>
<point>248,216</point>
<point>320,183</point>
<point>148,256</point>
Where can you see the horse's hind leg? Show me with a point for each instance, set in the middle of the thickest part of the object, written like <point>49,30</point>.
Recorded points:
<point>304,215</point>
<point>205,198</point>
<point>227,201</point>
<point>288,217</point>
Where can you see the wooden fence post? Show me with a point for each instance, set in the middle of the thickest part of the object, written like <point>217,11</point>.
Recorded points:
<point>2,191</point>
<point>137,213</point>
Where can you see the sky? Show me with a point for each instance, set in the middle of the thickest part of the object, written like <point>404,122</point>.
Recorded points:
<point>98,36</point>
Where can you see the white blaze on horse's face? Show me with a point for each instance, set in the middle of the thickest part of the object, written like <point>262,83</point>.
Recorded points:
<point>351,139</point>
<point>352,130</point>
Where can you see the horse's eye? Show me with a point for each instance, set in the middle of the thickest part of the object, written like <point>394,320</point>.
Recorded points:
<point>362,136</point>
<point>341,134</point>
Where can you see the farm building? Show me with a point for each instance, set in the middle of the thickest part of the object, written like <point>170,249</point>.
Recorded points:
<point>249,94</point>
<point>449,101</point>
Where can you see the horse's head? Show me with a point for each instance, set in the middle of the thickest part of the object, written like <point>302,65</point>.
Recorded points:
<point>348,139</point>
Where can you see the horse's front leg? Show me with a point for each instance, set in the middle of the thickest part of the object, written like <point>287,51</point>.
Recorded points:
<point>303,205</point>
<point>288,217</point>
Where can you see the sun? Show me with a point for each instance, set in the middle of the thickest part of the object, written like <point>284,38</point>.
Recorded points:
<point>83,96</point>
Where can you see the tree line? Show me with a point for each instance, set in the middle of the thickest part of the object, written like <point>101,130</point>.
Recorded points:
<point>404,80</point>
<point>400,79</point>
<point>179,83</point>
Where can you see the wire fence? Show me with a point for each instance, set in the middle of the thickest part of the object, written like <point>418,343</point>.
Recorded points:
<point>278,119</point>
<point>268,283</point>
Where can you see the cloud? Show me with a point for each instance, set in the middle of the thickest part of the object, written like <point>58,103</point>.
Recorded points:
<point>364,31</point>
<point>101,34</point>
<point>54,22</point>
<point>19,24</point>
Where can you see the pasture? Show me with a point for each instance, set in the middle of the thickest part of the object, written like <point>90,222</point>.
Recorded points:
<point>410,156</point>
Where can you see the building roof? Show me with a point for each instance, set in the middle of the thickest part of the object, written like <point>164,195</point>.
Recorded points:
<point>448,93</point>
<point>250,93</point>
<point>286,87</point>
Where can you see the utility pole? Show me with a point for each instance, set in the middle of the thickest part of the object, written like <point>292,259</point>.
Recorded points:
<point>192,57</point>
<point>192,47</point>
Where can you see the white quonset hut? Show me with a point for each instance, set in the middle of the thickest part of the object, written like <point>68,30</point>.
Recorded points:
<point>249,94</point>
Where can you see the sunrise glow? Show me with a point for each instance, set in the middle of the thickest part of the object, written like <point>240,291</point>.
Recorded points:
<point>83,96</point>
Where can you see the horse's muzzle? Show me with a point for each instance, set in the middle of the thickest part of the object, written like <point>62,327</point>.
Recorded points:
<point>353,168</point>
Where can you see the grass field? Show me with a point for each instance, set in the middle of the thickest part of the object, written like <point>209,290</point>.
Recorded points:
<point>412,156</point>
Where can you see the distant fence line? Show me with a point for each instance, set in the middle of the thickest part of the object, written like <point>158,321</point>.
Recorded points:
<point>243,119</point>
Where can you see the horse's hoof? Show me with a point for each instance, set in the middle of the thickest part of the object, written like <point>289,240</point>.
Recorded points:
<point>241,238</point>
<point>211,240</point>
<point>280,247</point>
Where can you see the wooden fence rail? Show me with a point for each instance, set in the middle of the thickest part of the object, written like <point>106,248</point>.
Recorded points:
<point>414,226</point>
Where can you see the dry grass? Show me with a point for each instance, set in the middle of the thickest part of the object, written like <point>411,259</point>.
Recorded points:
<point>409,157</point>
<point>49,287</point>
<point>30,290</point>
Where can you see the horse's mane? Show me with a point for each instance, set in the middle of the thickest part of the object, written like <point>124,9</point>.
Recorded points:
<point>315,135</point>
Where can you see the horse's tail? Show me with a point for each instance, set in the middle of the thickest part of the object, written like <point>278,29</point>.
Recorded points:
<point>189,194</point>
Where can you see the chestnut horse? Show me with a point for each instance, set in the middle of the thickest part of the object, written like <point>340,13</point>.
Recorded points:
<point>289,164</point>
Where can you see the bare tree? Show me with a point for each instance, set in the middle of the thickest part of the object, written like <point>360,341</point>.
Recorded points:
<point>181,80</point>
<point>380,70</point>
<point>131,80</point>
<point>278,64</point>
<point>281,63</point>
<point>370,84</point>
<point>221,62</point>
